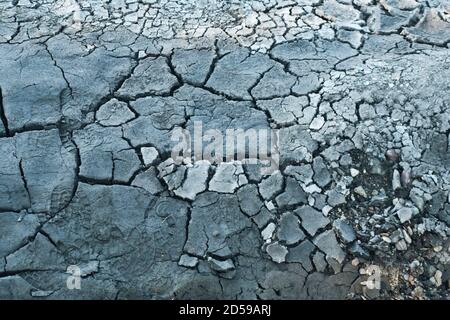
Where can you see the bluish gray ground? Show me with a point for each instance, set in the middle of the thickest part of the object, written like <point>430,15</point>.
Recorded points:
<point>91,92</point>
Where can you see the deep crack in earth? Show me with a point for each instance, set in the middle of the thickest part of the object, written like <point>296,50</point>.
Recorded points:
<point>91,93</point>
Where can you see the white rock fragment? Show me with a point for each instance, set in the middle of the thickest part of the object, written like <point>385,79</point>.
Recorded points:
<point>268,231</point>
<point>226,178</point>
<point>195,181</point>
<point>405,214</point>
<point>188,261</point>
<point>401,245</point>
<point>270,205</point>
<point>326,210</point>
<point>277,252</point>
<point>438,278</point>
<point>312,188</point>
<point>317,123</point>
<point>354,172</point>
<point>242,180</point>
<point>360,191</point>
<point>396,183</point>
<point>149,155</point>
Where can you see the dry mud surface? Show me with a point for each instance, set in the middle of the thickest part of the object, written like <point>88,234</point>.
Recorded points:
<point>91,92</point>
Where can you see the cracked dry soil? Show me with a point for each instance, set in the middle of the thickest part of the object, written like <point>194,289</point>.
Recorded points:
<point>91,91</point>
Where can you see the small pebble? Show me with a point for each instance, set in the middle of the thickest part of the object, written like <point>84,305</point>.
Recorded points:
<point>354,172</point>
<point>405,178</point>
<point>392,155</point>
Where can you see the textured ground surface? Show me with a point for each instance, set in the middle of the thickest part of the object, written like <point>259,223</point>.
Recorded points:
<point>91,91</point>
